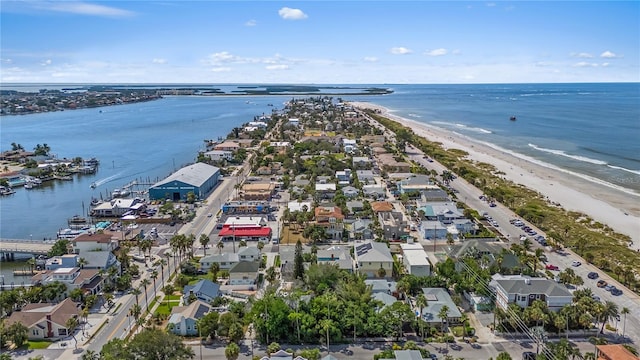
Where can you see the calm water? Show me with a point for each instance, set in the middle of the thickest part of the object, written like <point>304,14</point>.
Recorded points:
<point>589,129</point>
<point>138,141</point>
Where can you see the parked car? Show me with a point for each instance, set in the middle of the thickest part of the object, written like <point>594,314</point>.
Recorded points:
<point>576,263</point>
<point>601,283</point>
<point>529,355</point>
<point>551,267</point>
<point>609,287</point>
<point>593,275</point>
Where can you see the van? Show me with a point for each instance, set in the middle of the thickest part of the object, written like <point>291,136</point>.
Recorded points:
<point>275,240</point>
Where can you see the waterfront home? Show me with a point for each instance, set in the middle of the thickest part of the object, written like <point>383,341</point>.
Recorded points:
<point>331,219</point>
<point>204,290</point>
<point>184,319</point>
<point>91,242</point>
<point>44,320</point>
<point>118,207</point>
<point>89,280</point>
<point>373,259</point>
<point>524,290</point>
<point>437,298</point>
<point>219,155</point>
<point>244,273</point>
<point>100,260</point>
<point>227,146</point>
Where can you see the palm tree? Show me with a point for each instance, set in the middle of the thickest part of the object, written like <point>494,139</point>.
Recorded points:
<point>90,355</point>
<point>72,324</point>
<point>624,312</point>
<point>145,282</point>
<point>82,262</point>
<point>220,246</point>
<point>443,315</point>
<point>421,303</point>
<point>326,325</point>
<point>215,268</point>
<point>136,292</point>
<point>84,313</point>
<point>168,291</point>
<point>154,276</point>
<point>609,312</point>
<point>204,241</point>
<point>32,264</point>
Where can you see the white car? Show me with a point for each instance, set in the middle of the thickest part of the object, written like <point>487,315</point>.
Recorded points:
<point>576,263</point>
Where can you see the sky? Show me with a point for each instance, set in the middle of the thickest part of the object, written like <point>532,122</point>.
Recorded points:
<point>319,42</point>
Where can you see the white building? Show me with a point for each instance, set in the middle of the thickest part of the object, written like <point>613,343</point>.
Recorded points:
<point>415,259</point>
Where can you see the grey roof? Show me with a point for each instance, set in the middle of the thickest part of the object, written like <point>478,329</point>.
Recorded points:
<point>381,285</point>
<point>355,204</point>
<point>203,286</point>
<point>195,310</point>
<point>408,355</point>
<point>437,298</point>
<point>248,251</point>
<point>195,174</point>
<point>385,298</point>
<point>245,266</point>
<point>534,286</point>
<point>220,258</point>
<point>373,251</point>
<point>98,259</point>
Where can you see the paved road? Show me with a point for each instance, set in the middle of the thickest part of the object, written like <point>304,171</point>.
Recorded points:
<point>470,195</point>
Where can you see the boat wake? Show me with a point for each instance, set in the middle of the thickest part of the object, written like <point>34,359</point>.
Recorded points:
<point>107,179</point>
<point>476,129</point>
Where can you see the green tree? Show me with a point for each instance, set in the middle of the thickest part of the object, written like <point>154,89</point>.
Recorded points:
<point>204,241</point>
<point>421,303</point>
<point>298,262</point>
<point>17,333</point>
<point>503,356</point>
<point>208,324</point>
<point>59,248</point>
<point>232,351</point>
<point>610,312</point>
<point>72,324</point>
<point>156,344</point>
<point>116,349</point>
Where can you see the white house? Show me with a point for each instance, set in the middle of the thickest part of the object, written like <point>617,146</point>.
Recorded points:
<point>524,290</point>
<point>218,155</point>
<point>244,273</point>
<point>371,256</point>
<point>415,259</point>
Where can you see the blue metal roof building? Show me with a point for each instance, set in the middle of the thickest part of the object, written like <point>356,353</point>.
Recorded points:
<point>199,178</point>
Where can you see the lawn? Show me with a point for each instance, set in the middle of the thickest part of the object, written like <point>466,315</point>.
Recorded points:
<point>290,236</point>
<point>38,344</point>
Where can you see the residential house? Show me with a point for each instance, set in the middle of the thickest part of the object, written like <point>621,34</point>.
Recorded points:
<point>366,177</point>
<point>389,163</point>
<point>344,177</point>
<point>433,195</point>
<point>325,191</point>
<point>375,192</point>
<point>437,298</point>
<point>219,155</point>
<point>393,225</point>
<point>225,261</point>
<point>384,298</point>
<point>93,242</point>
<point>336,255</point>
<point>204,290</point>
<point>355,206</point>
<point>407,355</point>
<point>415,259</point>
<point>361,162</point>
<point>244,273</point>
<point>449,215</point>
<point>349,145</point>
<point>415,184</point>
<point>300,181</point>
<point>371,257</point>
<point>614,352</point>
<point>360,229</point>
<point>331,219</point>
<point>282,355</point>
<point>184,319</point>
<point>381,206</point>
<point>382,286</point>
<point>350,192</point>
<point>44,320</point>
<point>89,280</point>
<point>525,290</point>
<point>227,146</point>
<point>100,260</point>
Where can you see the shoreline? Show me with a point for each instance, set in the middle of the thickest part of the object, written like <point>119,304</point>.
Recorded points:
<point>575,192</point>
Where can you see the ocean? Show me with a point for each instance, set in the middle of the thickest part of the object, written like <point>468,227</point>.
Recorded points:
<point>590,129</point>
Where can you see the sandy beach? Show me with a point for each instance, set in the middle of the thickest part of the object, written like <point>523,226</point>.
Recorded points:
<point>617,208</point>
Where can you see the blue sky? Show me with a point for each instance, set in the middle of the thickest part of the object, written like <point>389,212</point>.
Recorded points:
<point>333,42</point>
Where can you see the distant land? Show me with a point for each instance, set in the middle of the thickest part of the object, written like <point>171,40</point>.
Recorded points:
<point>22,99</point>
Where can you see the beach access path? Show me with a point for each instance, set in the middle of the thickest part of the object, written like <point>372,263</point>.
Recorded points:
<point>617,208</point>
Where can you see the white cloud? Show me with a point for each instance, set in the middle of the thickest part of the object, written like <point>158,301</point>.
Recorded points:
<point>292,14</point>
<point>582,55</point>
<point>585,64</point>
<point>277,67</point>
<point>6,61</point>
<point>436,52</point>
<point>400,50</point>
<point>605,64</point>
<point>491,4</point>
<point>251,23</point>
<point>370,59</point>
<point>78,7</point>
<point>222,57</point>
<point>608,55</point>
<point>221,69</point>
<point>159,61</point>
<point>46,62</point>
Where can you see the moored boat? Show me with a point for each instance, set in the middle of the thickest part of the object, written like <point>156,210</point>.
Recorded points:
<point>513,118</point>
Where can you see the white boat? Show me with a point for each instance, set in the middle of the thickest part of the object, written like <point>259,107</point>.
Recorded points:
<point>93,185</point>
<point>115,193</point>
<point>125,192</point>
